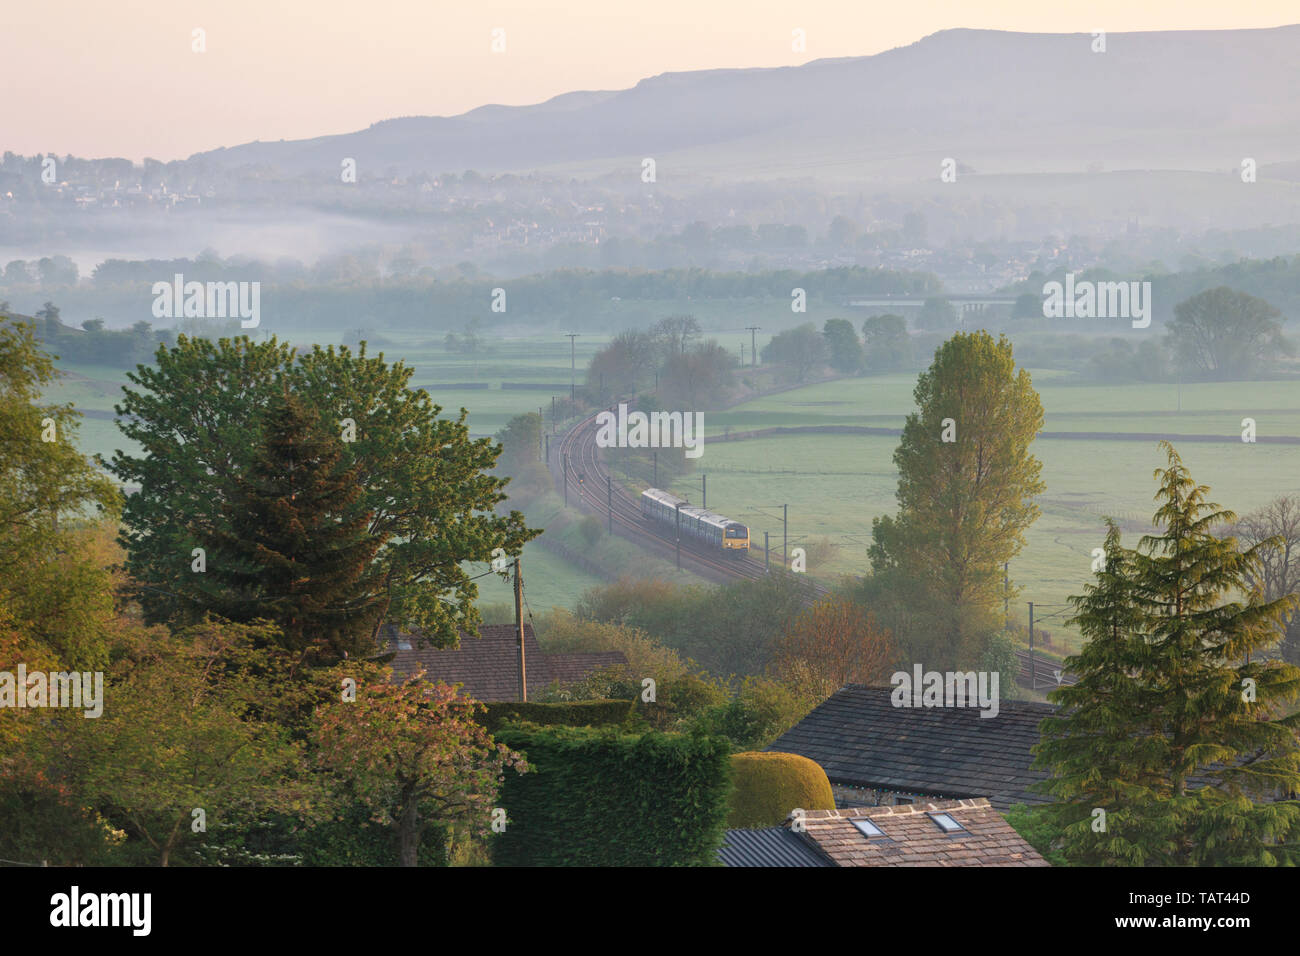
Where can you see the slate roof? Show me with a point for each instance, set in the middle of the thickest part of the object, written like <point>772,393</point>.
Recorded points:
<point>862,740</point>
<point>911,837</point>
<point>487,666</point>
<point>772,846</point>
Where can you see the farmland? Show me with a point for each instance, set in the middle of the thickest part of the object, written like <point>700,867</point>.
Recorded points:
<point>835,484</point>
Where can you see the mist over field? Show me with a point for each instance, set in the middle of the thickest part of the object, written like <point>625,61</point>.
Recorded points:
<point>720,426</point>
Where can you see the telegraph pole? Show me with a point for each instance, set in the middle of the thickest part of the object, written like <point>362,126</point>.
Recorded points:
<point>609,501</point>
<point>519,623</point>
<point>572,367</point>
<point>704,484</point>
<point>656,457</point>
<point>548,448</point>
<point>753,349</point>
<point>767,555</point>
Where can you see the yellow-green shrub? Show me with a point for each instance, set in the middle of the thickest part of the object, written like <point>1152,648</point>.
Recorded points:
<point>769,785</point>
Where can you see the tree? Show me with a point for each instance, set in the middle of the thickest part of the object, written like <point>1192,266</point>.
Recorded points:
<point>842,345</point>
<point>801,349</point>
<point>294,545</point>
<point>414,754</point>
<point>1225,335</point>
<point>937,314</point>
<point>623,367</point>
<point>837,643</point>
<point>1101,748</point>
<point>965,492</point>
<point>1275,531</point>
<point>887,347</point>
<point>697,379</point>
<point>46,488</point>
<point>675,333</point>
<point>424,483</point>
<point>188,728</point>
<point>1192,733</point>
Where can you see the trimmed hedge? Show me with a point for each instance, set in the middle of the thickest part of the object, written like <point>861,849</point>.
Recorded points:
<point>578,713</point>
<point>602,797</point>
<point>769,785</point>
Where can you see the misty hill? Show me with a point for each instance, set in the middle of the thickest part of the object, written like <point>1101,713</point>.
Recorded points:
<point>997,102</point>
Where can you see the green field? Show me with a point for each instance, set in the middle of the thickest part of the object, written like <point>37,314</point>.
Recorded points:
<point>836,484</point>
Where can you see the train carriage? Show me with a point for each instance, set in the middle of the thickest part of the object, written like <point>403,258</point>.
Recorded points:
<point>709,529</point>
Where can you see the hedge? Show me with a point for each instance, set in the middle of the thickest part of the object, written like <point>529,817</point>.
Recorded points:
<point>578,713</point>
<point>603,797</point>
<point>769,785</point>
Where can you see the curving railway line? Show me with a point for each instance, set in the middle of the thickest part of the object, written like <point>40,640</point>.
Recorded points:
<point>579,455</point>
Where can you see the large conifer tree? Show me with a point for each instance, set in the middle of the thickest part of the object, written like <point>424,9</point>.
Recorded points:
<point>297,550</point>
<point>1191,746</point>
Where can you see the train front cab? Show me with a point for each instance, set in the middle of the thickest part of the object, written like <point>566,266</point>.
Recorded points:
<point>736,540</point>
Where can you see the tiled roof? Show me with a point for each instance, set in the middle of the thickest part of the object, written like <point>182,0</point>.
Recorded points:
<point>861,739</point>
<point>772,846</point>
<point>488,665</point>
<point>911,837</point>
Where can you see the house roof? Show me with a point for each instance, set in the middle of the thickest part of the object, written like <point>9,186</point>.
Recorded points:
<point>487,666</point>
<point>861,739</point>
<point>910,836</point>
<point>771,846</point>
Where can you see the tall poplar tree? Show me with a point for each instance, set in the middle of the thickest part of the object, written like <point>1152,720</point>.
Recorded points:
<point>966,484</point>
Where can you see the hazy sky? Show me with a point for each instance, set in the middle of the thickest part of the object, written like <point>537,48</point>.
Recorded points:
<point>120,77</point>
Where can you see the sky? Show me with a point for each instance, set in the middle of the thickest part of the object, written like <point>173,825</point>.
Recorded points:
<point>124,78</point>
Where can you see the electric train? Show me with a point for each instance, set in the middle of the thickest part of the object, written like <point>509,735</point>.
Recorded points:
<point>706,528</point>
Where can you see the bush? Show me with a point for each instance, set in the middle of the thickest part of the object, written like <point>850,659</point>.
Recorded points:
<point>591,530</point>
<point>760,711</point>
<point>600,797</point>
<point>578,713</point>
<point>769,785</point>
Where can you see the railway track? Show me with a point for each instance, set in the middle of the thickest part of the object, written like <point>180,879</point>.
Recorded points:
<point>1040,673</point>
<point>579,456</point>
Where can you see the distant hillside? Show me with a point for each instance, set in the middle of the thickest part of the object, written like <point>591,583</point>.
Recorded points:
<point>995,101</point>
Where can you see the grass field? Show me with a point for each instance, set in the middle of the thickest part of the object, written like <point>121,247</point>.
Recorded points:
<point>836,484</point>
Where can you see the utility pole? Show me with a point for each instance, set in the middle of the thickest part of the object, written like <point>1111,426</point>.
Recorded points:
<point>767,555</point>
<point>704,484</point>
<point>572,367</point>
<point>552,414</point>
<point>1033,671</point>
<point>541,431</point>
<point>519,623</point>
<point>655,453</point>
<point>609,501</point>
<point>742,354</point>
<point>785,536</point>
<point>753,348</point>
<point>548,448</point>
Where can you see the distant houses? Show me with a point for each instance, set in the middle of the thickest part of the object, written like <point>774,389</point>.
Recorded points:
<point>487,665</point>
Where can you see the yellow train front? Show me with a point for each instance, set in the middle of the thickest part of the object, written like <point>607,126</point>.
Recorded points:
<point>707,528</point>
